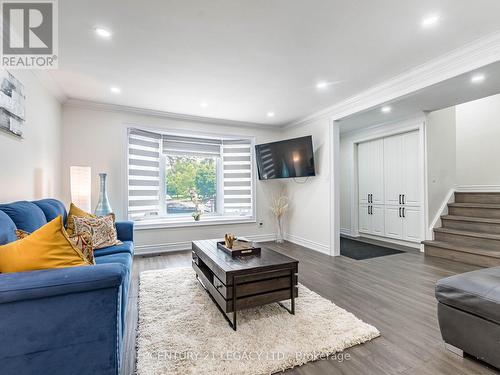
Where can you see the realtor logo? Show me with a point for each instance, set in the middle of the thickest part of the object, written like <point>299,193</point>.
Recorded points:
<point>29,34</point>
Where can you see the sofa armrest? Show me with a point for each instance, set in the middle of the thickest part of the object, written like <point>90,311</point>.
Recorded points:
<point>61,321</point>
<point>125,230</point>
<point>45,283</point>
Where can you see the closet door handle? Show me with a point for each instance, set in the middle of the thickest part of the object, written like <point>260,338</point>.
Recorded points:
<point>403,199</point>
<point>399,211</point>
<point>368,198</point>
<point>368,210</point>
<point>399,198</point>
<point>371,210</point>
<point>371,198</point>
<point>404,212</point>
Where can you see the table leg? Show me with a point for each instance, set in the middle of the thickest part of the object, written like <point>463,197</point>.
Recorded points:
<point>232,323</point>
<point>291,310</point>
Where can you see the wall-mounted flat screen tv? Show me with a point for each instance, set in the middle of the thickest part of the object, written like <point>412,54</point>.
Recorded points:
<point>285,159</point>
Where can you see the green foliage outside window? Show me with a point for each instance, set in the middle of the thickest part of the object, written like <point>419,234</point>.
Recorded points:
<point>185,174</point>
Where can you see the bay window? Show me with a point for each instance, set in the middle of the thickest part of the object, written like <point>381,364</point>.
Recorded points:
<point>170,176</point>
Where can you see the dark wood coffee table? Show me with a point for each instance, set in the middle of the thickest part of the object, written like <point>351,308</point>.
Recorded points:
<point>247,281</point>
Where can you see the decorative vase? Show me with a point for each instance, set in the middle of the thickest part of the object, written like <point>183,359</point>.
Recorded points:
<point>103,207</point>
<point>279,232</point>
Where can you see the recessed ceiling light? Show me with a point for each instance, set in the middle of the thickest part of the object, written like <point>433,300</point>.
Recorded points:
<point>322,85</point>
<point>386,109</point>
<point>115,89</point>
<point>103,33</point>
<point>203,104</point>
<point>270,114</point>
<point>430,21</point>
<point>478,78</point>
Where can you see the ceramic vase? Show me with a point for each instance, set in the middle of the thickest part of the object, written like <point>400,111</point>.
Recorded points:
<point>103,207</point>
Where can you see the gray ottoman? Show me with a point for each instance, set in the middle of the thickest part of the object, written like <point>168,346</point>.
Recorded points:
<point>469,313</point>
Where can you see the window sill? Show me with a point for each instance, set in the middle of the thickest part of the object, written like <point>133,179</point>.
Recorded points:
<point>189,222</point>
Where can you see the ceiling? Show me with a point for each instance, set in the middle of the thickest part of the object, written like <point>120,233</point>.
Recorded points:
<point>445,94</point>
<point>246,58</point>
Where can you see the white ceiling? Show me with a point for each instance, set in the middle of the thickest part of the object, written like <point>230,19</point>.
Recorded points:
<point>248,57</point>
<point>456,90</point>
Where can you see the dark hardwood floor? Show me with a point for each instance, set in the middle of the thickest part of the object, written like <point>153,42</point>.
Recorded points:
<point>394,293</point>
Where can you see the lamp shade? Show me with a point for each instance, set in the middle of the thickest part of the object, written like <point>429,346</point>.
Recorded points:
<point>80,181</point>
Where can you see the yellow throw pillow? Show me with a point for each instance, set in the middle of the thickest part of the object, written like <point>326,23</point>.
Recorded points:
<point>47,247</point>
<point>82,241</point>
<point>74,211</point>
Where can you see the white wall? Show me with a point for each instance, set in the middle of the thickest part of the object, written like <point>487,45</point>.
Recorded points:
<point>441,138</point>
<point>97,138</point>
<point>478,137</point>
<point>308,222</point>
<point>31,166</point>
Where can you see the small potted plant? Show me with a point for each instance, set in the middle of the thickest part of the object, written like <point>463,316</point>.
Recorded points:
<point>197,204</point>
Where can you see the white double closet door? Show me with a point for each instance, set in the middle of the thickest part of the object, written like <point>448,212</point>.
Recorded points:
<point>390,187</point>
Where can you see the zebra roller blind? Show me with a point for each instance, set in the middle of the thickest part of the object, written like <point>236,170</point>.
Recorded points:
<point>238,179</point>
<point>143,174</point>
<point>147,151</point>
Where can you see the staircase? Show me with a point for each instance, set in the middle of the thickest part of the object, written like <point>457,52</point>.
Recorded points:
<point>470,233</point>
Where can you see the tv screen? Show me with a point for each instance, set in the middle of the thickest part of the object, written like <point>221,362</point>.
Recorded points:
<point>285,159</point>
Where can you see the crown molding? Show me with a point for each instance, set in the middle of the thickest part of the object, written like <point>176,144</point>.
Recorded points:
<point>401,122</point>
<point>479,53</point>
<point>44,77</point>
<point>107,107</point>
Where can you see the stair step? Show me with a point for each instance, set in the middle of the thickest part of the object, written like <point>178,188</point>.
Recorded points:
<point>477,197</point>
<point>471,219</point>
<point>468,233</point>
<point>475,205</point>
<point>469,223</point>
<point>464,249</point>
<point>484,210</point>
<point>464,254</point>
<point>468,238</point>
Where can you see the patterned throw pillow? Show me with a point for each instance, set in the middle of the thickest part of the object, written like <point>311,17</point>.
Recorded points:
<point>82,242</point>
<point>20,234</point>
<point>102,229</point>
<point>74,211</point>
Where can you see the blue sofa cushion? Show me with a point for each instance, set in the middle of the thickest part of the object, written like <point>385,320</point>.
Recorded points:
<point>125,247</point>
<point>26,215</point>
<point>126,260</point>
<point>7,229</point>
<point>52,208</point>
<point>125,230</point>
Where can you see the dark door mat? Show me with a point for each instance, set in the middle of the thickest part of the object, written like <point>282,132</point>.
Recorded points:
<point>361,250</point>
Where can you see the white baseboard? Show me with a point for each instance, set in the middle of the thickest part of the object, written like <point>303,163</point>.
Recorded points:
<point>479,188</point>
<point>322,248</point>
<point>345,231</point>
<point>414,245</point>
<point>262,237</point>
<point>162,248</point>
<point>186,245</point>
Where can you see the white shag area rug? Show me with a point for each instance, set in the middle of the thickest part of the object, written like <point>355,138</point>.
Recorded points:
<point>181,331</point>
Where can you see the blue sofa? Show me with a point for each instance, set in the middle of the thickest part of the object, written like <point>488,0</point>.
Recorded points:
<point>63,321</point>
